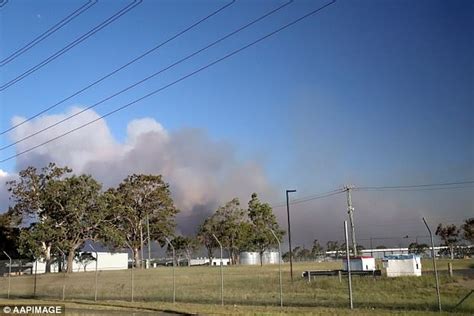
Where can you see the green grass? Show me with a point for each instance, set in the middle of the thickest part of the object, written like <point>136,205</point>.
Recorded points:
<point>254,289</point>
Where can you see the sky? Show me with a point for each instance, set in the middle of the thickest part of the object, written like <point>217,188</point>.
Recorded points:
<point>363,92</point>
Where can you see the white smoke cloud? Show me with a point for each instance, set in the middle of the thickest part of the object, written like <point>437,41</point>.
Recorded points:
<point>202,172</point>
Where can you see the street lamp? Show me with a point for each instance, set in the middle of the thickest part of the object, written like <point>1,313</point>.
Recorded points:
<point>289,231</point>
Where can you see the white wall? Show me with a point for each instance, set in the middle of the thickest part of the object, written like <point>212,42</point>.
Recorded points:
<point>403,267</point>
<point>360,264</point>
<point>106,261</point>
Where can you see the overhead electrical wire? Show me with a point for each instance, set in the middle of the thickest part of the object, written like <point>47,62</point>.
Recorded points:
<point>310,198</point>
<point>74,43</point>
<point>48,32</point>
<point>150,76</point>
<point>117,69</point>
<point>176,81</point>
<point>419,187</point>
<point>3,3</point>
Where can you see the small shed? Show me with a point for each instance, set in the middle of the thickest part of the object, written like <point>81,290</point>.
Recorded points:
<point>402,265</point>
<point>360,263</point>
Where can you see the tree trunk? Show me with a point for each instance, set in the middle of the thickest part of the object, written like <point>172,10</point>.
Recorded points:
<point>70,259</point>
<point>136,257</point>
<point>451,250</point>
<point>261,258</point>
<point>47,256</point>
<point>141,245</point>
<point>231,255</point>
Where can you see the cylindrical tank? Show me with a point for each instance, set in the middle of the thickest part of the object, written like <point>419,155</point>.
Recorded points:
<point>249,258</point>
<point>270,257</point>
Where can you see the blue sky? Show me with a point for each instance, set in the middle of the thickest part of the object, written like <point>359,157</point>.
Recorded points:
<point>365,92</point>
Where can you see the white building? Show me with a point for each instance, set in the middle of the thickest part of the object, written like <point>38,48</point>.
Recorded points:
<point>106,261</point>
<point>205,261</point>
<point>360,263</point>
<point>402,265</point>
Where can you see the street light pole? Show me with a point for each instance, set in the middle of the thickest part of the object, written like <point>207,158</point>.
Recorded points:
<point>289,232</point>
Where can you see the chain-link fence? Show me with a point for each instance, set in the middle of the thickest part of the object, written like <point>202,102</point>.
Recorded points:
<point>243,285</point>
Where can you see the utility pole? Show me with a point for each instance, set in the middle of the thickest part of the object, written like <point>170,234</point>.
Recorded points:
<point>350,211</point>
<point>289,232</point>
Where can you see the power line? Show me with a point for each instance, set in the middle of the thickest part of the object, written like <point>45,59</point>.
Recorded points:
<point>174,82</point>
<point>3,3</point>
<point>415,186</point>
<point>49,32</point>
<point>311,198</point>
<point>118,69</point>
<point>82,38</point>
<point>149,77</point>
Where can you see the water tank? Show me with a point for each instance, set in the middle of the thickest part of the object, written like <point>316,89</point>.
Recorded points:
<point>249,258</point>
<point>270,257</point>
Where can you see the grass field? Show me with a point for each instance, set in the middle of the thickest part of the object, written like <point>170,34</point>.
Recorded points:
<point>254,289</point>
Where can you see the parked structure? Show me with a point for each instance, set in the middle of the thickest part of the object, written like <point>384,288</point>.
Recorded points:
<point>106,261</point>
<point>360,263</point>
<point>402,265</point>
<point>205,261</point>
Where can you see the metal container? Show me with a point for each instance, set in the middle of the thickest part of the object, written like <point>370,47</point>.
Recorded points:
<point>249,258</point>
<point>270,257</point>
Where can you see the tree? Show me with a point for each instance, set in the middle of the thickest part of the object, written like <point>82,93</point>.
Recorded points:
<point>417,248</point>
<point>262,218</point>
<point>233,229</point>
<point>9,235</point>
<point>184,247</point>
<point>468,229</point>
<point>84,258</point>
<point>449,235</point>
<point>317,250</point>
<point>31,203</point>
<point>136,199</point>
<point>333,246</point>
<point>77,211</point>
<point>204,235</point>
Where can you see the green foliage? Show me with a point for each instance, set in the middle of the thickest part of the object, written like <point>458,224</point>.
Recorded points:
<point>233,228</point>
<point>468,229</point>
<point>9,235</point>
<point>317,249</point>
<point>418,249</point>
<point>136,199</point>
<point>32,203</point>
<point>204,235</point>
<point>184,247</point>
<point>263,220</point>
<point>449,234</point>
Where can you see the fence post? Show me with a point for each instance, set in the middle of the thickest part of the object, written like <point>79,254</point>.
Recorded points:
<point>36,271</point>
<point>174,260</point>
<point>96,271</point>
<point>434,264</point>
<point>9,274</point>
<point>64,272</point>
<point>279,267</point>
<point>222,271</point>
<point>131,276</point>
<point>348,258</point>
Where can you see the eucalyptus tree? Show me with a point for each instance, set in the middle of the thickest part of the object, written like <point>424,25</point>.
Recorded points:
<point>138,201</point>
<point>233,228</point>
<point>77,212</point>
<point>30,204</point>
<point>262,218</point>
